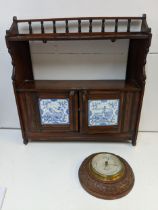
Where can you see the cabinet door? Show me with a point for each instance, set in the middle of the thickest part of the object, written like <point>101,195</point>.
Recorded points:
<point>101,111</point>
<point>56,112</point>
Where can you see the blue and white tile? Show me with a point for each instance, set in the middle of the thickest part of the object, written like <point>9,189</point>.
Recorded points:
<point>54,111</point>
<point>103,112</point>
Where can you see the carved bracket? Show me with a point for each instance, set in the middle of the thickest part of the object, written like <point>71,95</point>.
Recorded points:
<point>148,43</point>
<point>12,59</point>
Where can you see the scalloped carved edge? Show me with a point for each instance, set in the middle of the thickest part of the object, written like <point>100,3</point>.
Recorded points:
<point>148,43</point>
<point>12,59</point>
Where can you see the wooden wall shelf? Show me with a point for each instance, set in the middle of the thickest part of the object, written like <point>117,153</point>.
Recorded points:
<point>15,35</point>
<point>121,100</point>
<point>49,85</point>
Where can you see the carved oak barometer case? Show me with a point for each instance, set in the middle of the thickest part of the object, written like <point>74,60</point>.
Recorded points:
<point>64,110</point>
<point>106,175</point>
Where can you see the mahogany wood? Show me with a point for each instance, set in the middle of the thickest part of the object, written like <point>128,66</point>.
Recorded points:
<point>89,95</point>
<point>28,91</point>
<point>50,85</point>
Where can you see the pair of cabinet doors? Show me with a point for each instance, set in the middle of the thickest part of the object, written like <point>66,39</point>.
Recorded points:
<point>81,111</point>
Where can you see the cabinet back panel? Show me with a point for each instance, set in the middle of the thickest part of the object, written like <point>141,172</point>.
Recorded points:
<point>84,60</point>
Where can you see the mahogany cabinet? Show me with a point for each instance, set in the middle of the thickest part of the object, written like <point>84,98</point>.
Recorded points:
<point>79,110</point>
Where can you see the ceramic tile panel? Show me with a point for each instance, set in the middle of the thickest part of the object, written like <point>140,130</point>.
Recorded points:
<point>103,112</point>
<point>54,111</point>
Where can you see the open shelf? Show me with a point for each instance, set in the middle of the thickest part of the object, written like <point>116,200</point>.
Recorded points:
<point>49,85</point>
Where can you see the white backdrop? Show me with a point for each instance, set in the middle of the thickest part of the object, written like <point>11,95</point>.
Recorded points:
<point>69,8</point>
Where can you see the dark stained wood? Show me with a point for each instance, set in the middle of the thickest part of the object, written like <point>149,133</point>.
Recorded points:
<point>30,27</point>
<point>50,85</point>
<point>116,25</point>
<point>128,110</point>
<point>97,95</point>
<point>42,27</point>
<point>21,106</point>
<point>103,26</point>
<point>79,26</point>
<point>77,136</point>
<point>100,34</point>
<point>138,50</point>
<point>21,61</point>
<point>28,91</point>
<point>83,18</point>
<point>90,26</point>
<point>144,26</point>
<point>54,26</point>
<point>128,26</point>
<point>135,107</point>
<point>14,27</point>
<point>78,36</point>
<point>33,113</point>
<point>67,26</point>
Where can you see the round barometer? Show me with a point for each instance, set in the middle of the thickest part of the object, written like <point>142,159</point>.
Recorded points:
<point>107,166</point>
<point>106,175</point>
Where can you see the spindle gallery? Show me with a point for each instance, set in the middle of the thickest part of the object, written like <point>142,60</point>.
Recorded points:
<point>117,102</point>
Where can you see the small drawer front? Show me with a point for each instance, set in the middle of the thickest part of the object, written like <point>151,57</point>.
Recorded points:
<point>101,111</point>
<point>56,112</point>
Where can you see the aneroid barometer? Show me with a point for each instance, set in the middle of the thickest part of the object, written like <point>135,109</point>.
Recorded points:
<point>106,176</point>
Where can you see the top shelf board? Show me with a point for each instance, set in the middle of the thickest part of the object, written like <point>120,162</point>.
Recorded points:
<point>83,28</point>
